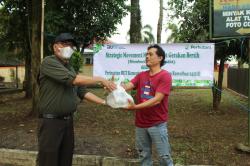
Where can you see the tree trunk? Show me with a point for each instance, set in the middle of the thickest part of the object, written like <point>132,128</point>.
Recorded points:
<point>135,22</point>
<point>240,63</point>
<point>218,86</point>
<point>220,78</point>
<point>36,49</point>
<point>27,81</point>
<point>159,25</point>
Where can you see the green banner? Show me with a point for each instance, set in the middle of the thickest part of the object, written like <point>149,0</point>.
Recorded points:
<point>231,18</point>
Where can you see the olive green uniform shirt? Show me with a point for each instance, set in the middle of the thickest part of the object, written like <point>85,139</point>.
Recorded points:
<point>58,95</point>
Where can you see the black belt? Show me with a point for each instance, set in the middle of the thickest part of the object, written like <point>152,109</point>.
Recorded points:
<point>52,116</point>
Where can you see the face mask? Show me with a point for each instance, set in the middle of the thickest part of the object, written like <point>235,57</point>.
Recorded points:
<point>66,52</point>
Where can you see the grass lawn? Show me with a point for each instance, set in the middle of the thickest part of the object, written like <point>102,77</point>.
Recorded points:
<point>197,134</point>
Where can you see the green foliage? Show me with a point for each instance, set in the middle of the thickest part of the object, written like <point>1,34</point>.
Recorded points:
<point>76,61</point>
<point>1,78</point>
<point>147,35</point>
<point>226,49</point>
<point>242,50</point>
<point>175,36</point>
<point>14,27</point>
<point>193,18</point>
<point>85,19</point>
<point>194,27</point>
<point>97,47</point>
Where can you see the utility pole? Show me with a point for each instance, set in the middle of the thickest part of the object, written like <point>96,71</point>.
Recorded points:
<point>248,91</point>
<point>42,28</point>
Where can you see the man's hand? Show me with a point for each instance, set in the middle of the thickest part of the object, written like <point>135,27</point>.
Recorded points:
<point>131,105</point>
<point>109,85</point>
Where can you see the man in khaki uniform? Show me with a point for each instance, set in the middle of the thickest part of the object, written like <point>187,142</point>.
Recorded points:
<point>59,87</point>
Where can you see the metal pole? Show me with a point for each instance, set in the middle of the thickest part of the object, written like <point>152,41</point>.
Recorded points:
<point>17,77</point>
<point>248,92</point>
<point>210,19</point>
<point>42,29</point>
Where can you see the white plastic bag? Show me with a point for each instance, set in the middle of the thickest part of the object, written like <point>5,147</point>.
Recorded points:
<point>119,98</point>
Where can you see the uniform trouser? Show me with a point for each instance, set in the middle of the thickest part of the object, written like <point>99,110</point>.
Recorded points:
<point>157,135</point>
<point>55,142</point>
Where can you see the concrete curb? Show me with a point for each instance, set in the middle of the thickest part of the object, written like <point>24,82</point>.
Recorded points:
<point>15,157</point>
<point>28,158</point>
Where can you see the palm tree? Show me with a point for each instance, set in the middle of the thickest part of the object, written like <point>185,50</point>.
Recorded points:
<point>146,33</point>
<point>175,33</point>
<point>159,25</point>
<point>135,22</point>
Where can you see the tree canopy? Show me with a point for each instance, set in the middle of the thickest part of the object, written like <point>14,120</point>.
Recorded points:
<point>193,16</point>
<point>85,19</point>
<point>193,26</point>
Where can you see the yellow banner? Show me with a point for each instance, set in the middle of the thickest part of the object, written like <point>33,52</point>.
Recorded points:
<point>218,4</point>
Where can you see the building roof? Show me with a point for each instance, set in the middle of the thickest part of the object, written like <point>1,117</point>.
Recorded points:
<point>7,62</point>
<point>88,51</point>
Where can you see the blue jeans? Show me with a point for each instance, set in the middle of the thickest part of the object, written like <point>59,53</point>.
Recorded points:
<point>158,135</point>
